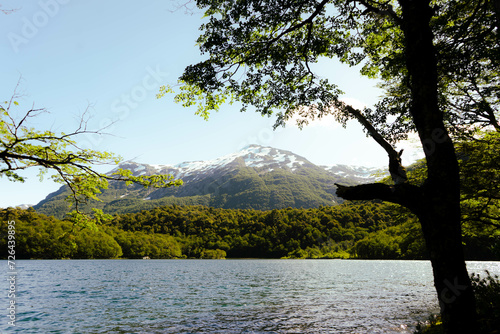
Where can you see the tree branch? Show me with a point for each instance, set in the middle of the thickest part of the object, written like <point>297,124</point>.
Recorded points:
<point>387,11</point>
<point>396,168</point>
<point>22,147</point>
<point>403,194</point>
<point>301,24</point>
<point>8,11</point>
<point>297,26</point>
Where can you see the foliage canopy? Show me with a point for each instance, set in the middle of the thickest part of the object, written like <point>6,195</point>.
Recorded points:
<point>260,53</point>
<point>23,147</point>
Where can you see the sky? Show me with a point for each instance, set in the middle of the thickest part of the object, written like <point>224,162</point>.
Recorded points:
<point>108,59</point>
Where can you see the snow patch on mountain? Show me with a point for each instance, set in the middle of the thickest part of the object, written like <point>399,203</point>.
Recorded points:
<point>252,156</point>
<point>264,158</point>
<point>368,174</point>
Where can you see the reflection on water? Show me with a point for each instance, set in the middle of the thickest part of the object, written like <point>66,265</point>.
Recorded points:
<point>224,296</point>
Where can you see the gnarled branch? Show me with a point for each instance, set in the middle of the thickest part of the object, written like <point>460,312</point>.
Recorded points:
<point>403,194</point>
<point>396,168</point>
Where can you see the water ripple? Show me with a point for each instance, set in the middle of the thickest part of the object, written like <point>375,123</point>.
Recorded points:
<point>232,296</point>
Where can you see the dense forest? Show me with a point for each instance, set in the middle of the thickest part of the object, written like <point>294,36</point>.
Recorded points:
<point>361,229</point>
<point>369,230</point>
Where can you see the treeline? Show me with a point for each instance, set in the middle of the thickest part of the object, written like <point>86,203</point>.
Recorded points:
<point>370,230</point>
<point>363,230</point>
<point>38,236</point>
<point>326,232</point>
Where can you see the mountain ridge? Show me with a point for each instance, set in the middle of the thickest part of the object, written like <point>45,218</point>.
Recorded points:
<point>256,177</point>
<point>248,153</point>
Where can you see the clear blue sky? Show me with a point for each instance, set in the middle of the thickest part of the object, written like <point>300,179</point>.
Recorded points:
<point>113,56</point>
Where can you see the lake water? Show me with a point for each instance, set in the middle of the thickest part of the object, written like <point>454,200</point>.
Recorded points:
<point>222,296</point>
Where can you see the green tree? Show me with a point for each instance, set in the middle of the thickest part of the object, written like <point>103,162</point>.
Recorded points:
<point>480,180</point>
<point>438,62</point>
<point>95,244</point>
<point>23,147</point>
<point>215,254</point>
<point>479,192</point>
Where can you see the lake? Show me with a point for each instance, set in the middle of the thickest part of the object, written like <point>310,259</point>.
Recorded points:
<point>222,296</point>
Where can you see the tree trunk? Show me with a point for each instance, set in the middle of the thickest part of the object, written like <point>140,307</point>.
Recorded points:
<point>439,206</point>
<point>451,280</point>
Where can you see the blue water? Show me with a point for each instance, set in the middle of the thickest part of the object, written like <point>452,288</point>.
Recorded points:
<point>222,296</point>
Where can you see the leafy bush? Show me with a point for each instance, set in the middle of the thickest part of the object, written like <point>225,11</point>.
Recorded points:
<point>487,292</point>
<point>215,254</point>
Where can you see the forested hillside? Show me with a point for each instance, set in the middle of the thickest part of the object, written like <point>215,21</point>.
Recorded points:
<point>257,177</point>
<point>367,229</point>
<point>240,188</point>
<point>362,230</point>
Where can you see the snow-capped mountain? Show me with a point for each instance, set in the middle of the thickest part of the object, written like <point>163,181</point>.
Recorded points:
<point>255,177</point>
<point>357,173</point>
<point>266,159</point>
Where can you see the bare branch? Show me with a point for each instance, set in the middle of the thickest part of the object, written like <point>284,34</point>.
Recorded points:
<point>397,170</point>
<point>22,148</point>
<point>189,7</point>
<point>403,194</point>
<point>8,11</point>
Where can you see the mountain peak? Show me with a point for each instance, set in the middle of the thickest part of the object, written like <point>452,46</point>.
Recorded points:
<point>258,156</point>
<point>264,158</point>
<point>253,155</point>
<point>256,176</point>
<point>252,146</point>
